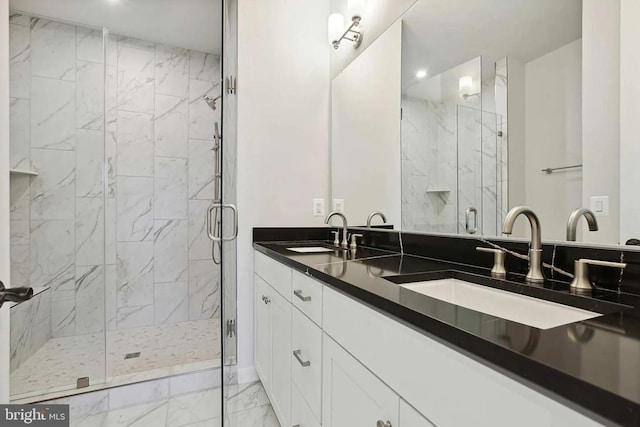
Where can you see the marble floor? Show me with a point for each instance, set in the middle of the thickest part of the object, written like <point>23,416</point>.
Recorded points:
<point>164,350</point>
<point>247,406</point>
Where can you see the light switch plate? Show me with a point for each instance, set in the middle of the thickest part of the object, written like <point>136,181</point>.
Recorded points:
<point>599,205</point>
<point>338,205</point>
<point>318,207</point>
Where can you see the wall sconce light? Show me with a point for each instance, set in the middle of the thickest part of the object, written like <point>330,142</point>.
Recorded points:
<point>353,33</point>
<point>465,87</point>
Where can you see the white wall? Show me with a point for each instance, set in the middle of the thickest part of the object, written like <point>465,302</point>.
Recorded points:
<point>365,137</point>
<point>378,16</point>
<point>553,133</point>
<point>601,112</point>
<point>4,195</point>
<point>629,123</point>
<point>283,130</point>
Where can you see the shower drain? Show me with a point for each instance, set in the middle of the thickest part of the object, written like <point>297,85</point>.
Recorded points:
<point>131,355</point>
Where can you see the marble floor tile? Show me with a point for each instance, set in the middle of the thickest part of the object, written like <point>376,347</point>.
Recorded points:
<point>165,350</point>
<point>197,409</point>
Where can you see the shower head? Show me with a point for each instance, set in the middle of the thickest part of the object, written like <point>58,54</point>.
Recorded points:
<point>211,102</point>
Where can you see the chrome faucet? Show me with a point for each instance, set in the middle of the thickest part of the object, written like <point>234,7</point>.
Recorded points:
<point>345,236</point>
<point>572,224</point>
<point>373,215</point>
<point>535,247</point>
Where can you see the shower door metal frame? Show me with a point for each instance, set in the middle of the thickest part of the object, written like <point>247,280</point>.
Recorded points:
<point>4,200</point>
<point>228,191</point>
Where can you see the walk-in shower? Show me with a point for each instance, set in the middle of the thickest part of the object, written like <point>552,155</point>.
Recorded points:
<point>117,191</point>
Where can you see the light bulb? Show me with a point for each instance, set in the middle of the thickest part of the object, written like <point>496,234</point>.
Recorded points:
<point>465,86</point>
<point>335,27</point>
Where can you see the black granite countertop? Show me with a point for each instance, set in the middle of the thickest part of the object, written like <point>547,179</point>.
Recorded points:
<point>594,364</point>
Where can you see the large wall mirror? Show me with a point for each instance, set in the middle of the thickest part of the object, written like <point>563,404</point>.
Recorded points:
<point>464,109</point>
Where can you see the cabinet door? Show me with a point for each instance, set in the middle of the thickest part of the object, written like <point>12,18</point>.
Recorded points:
<point>262,313</point>
<point>301,414</point>
<point>352,395</point>
<point>409,417</point>
<point>281,357</point>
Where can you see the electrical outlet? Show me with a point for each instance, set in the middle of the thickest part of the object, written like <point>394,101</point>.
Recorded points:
<point>318,207</point>
<point>599,205</point>
<point>338,205</point>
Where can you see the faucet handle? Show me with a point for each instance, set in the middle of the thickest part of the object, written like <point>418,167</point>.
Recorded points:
<point>336,239</point>
<point>498,270</point>
<point>354,245</point>
<point>581,282</point>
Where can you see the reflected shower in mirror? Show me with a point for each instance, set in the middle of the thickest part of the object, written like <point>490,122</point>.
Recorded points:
<point>491,111</point>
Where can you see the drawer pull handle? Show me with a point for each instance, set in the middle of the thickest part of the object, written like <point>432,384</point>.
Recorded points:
<point>266,300</point>
<point>303,363</point>
<point>381,423</point>
<point>298,293</point>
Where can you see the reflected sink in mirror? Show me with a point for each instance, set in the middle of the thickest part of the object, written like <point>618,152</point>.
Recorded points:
<point>311,249</point>
<point>526,310</point>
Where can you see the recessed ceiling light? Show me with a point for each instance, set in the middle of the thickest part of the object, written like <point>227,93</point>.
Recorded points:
<point>421,74</point>
<point>113,1</point>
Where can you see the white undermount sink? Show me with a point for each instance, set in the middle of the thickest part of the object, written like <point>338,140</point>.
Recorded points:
<point>311,250</point>
<point>530,311</point>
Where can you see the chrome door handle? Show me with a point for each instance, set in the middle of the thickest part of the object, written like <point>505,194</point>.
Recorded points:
<point>213,234</point>
<point>475,220</point>
<point>266,300</point>
<point>298,293</point>
<point>303,363</point>
<point>381,423</point>
<point>234,210</point>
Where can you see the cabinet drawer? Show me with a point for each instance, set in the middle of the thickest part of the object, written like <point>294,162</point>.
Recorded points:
<point>307,296</point>
<point>274,273</point>
<point>306,360</point>
<point>301,415</point>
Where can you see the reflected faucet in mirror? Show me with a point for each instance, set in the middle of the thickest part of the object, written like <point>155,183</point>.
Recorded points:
<point>345,237</point>
<point>535,247</point>
<point>572,224</point>
<point>373,215</point>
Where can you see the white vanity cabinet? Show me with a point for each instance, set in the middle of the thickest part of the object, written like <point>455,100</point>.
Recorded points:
<point>352,395</point>
<point>272,313</point>
<point>356,366</point>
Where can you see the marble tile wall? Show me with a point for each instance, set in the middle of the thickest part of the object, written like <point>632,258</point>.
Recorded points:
<point>160,171</point>
<point>452,159</point>
<point>57,217</point>
<point>35,315</point>
<point>136,255</point>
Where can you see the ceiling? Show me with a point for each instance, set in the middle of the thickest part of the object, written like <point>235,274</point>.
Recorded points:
<point>192,24</point>
<point>441,34</point>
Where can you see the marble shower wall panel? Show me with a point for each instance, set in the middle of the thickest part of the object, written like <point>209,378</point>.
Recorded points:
<point>160,168</point>
<point>490,170</point>
<point>57,216</point>
<point>35,316</point>
<point>502,150</point>
<point>419,165</point>
<point>19,134</point>
<point>447,167</point>
<point>19,58</point>
<point>469,165</point>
